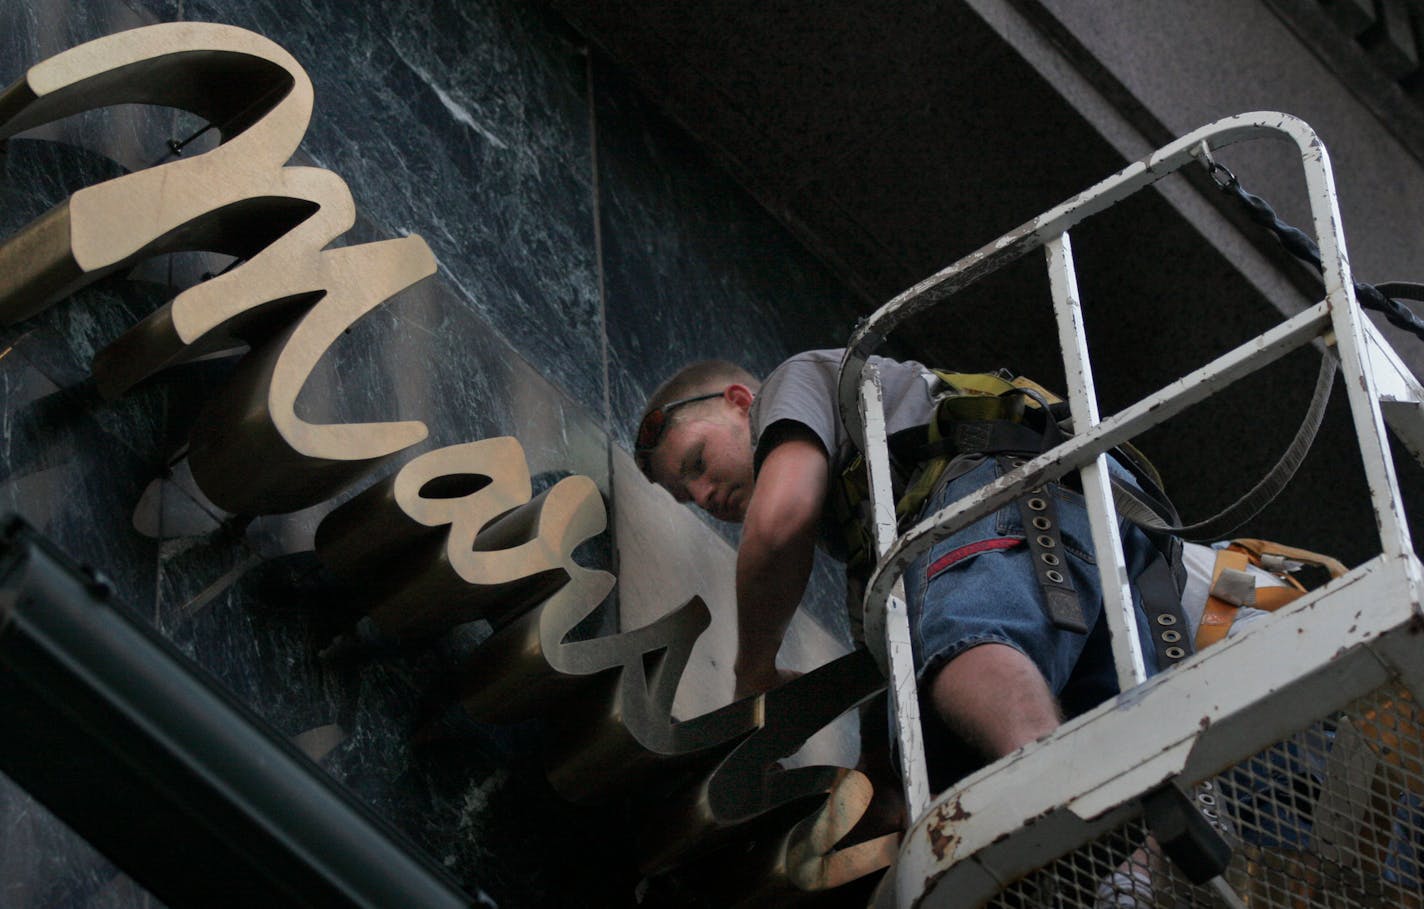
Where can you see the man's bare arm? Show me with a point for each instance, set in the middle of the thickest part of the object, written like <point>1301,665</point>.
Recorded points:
<point>775,555</point>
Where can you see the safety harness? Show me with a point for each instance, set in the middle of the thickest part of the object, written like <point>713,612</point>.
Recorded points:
<point>1012,419</point>
<point>1009,418</point>
<point>1233,587</point>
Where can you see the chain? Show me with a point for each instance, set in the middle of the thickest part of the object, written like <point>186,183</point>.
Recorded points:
<point>1299,244</point>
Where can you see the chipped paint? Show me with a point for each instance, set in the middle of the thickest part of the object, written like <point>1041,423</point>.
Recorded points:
<point>943,838</point>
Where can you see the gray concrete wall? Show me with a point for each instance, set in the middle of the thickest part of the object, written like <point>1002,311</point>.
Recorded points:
<point>1141,74</point>
<point>1183,65</point>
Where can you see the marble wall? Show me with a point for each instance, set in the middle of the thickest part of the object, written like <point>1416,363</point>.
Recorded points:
<point>586,247</point>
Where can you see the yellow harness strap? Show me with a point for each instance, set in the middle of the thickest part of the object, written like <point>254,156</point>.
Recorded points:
<point>1221,608</point>
<point>965,396</point>
<point>1219,614</point>
<point>1263,551</point>
<point>972,396</point>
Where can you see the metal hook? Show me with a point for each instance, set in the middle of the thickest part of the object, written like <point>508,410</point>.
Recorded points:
<point>1220,174</point>
<point>1228,183</point>
<point>1203,154</point>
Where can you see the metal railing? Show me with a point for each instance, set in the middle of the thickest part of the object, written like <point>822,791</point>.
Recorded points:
<point>1337,320</point>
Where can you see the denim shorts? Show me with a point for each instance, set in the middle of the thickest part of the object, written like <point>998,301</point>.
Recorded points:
<point>978,587</point>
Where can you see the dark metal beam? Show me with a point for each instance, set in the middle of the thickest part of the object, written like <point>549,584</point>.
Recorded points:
<point>191,794</point>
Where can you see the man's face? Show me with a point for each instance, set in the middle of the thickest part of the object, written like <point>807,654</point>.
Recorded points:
<point>707,457</point>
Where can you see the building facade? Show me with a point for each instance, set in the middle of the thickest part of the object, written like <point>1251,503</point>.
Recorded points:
<point>609,191</point>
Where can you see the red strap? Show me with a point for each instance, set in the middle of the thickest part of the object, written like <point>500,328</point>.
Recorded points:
<point>964,552</point>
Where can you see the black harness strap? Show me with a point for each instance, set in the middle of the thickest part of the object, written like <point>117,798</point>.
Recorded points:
<point>1162,601</point>
<point>1011,442</point>
<point>997,436</point>
<point>1039,512</point>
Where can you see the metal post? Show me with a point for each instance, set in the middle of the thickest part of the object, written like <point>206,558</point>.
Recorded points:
<point>1361,388</point>
<point>1080,450</point>
<point>978,836</point>
<point>1102,516</point>
<point>898,659</point>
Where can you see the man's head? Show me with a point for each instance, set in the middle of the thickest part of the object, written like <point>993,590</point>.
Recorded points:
<point>695,437</point>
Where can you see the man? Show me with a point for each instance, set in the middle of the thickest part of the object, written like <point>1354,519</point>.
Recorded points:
<point>993,665</point>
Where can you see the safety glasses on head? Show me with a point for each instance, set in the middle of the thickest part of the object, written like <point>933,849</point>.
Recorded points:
<point>650,431</point>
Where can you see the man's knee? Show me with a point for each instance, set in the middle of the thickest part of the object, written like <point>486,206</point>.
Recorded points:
<point>995,697</point>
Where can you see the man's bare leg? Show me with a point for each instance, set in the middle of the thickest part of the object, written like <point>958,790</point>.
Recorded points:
<point>995,698</point>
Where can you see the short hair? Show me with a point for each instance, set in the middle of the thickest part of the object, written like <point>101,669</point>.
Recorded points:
<point>701,377</point>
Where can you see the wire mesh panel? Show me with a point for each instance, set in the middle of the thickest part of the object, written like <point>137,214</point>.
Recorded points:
<point>1113,870</point>
<point>1331,817</point>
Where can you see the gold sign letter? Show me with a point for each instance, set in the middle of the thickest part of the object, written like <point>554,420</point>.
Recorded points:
<point>290,298</point>
<point>454,536</point>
